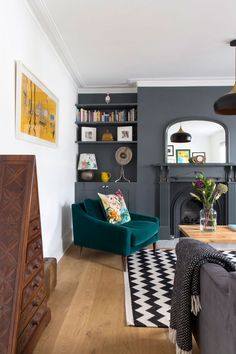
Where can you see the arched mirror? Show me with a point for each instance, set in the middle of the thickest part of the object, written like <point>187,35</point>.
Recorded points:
<point>205,142</point>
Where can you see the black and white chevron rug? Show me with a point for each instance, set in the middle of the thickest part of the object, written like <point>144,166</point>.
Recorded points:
<point>148,287</point>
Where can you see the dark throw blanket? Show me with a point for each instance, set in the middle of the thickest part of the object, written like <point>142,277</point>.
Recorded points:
<point>185,303</point>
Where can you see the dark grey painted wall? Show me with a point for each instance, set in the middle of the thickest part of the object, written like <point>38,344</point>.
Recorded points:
<point>156,108</point>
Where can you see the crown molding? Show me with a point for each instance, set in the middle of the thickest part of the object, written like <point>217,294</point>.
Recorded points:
<point>184,82</point>
<point>45,20</point>
<point>108,90</point>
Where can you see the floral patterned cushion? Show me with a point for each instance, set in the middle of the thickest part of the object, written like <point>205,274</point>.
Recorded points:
<point>115,208</point>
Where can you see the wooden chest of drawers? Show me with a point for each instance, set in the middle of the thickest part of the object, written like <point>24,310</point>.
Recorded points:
<point>23,310</point>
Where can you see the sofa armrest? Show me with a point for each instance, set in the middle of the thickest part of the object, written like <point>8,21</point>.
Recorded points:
<point>217,275</point>
<point>135,216</point>
<point>98,234</point>
<point>216,322</point>
<point>232,288</point>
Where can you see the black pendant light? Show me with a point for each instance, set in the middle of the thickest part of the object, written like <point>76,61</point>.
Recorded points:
<point>226,105</point>
<point>181,136</point>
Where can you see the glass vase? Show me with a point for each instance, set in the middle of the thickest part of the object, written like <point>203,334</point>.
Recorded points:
<point>208,219</point>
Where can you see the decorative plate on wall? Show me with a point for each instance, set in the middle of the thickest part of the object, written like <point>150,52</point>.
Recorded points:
<point>123,155</point>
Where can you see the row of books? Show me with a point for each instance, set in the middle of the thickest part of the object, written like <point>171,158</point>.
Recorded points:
<point>84,115</point>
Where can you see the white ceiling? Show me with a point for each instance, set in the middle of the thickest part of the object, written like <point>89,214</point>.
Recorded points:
<point>115,42</point>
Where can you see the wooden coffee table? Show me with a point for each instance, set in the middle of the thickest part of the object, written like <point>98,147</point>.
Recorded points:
<point>222,234</point>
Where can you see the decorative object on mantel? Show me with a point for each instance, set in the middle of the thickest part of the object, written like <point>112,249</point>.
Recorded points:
<point>170,150</point>
<point>181,136</point>
<point>207,192</point>
<point>107,98</point>
<point>195,154</point>
<point>182,156</point>
<point>123,157</point>
<point>226,105</point>
<point>107,136</point>
<point>87,164</point>
<point>198,158</point>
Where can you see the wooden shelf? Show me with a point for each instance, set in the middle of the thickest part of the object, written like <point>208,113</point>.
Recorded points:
<point>107,106</point>
<point>106,142</point>
<point>105,123</point>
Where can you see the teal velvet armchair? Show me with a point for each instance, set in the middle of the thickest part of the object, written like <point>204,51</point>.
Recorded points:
<point>92,230</point>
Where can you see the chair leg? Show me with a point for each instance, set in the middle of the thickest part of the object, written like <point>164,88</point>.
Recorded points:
<point>124,261</point>
<point>154,247</point>
<point>80,250</point>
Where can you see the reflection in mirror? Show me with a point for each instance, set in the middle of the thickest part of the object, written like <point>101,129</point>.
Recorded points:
<point>208,144</point>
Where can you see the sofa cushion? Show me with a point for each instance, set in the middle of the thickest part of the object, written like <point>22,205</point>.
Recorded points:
<point>115,208</point>
<point>141,231</point>
<point>93,208</point>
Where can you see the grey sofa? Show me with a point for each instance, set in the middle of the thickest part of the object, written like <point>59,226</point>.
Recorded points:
<point>215,326</point>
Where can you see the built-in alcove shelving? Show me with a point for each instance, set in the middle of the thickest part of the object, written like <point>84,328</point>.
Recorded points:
<point>122,111</point>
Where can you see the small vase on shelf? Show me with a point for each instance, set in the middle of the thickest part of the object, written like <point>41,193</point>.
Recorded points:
<point>208,219</point>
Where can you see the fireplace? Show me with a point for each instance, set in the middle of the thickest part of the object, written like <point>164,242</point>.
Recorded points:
<point>174,204</point>
<point>185,210</point>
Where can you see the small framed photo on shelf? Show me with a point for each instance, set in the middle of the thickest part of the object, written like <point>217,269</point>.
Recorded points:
<point>203,154</point>
<point>199,157</point>
<point>170,150</point>
<point>88,134</point>
<point>182,156</point>
<point>124,133</point>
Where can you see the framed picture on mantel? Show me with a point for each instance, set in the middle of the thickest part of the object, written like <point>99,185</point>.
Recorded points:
<point>182,156</point>
<point>170,150</point>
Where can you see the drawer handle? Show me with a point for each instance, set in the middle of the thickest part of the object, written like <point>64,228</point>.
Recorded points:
<point>37,247</point>
<point>35,285</point>
<point>36,266</point>
<point>35,304</point>
<point>35,228</point>
<point>35,323</point>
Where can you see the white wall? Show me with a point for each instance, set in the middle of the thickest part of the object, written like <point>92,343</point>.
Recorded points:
<point>21,38</point>
<point>216,146</point>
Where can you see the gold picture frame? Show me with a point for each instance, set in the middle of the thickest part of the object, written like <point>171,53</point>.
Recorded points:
<point>36,109</point>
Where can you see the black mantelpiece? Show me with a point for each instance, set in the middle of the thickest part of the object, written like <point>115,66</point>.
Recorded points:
<point>173,183</point>
<point>183,172</point>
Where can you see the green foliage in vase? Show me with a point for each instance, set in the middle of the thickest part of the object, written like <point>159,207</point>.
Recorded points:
<point>206,191</point>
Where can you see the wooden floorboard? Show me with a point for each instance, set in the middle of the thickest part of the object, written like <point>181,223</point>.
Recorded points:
<point>88,315</point>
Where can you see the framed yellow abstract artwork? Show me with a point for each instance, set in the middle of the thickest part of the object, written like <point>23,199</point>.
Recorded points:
<point>36,109</point>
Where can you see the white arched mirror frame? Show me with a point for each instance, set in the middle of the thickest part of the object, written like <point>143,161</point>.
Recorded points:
<point>199,119</point>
